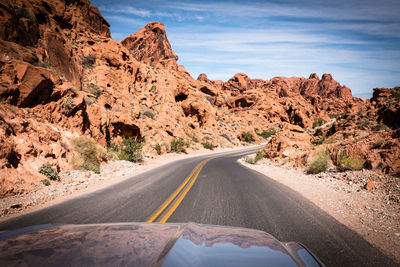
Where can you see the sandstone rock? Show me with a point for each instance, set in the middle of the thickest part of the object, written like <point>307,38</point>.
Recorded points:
<point>62,75</point>
<point>368,186</point>
<point>31,85</point>
<point>151,46</point>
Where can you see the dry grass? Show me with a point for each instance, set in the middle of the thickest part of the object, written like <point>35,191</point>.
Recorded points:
<point>87,154</point>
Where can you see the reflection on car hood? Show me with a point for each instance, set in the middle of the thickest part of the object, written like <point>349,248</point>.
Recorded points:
<point>148,244</point>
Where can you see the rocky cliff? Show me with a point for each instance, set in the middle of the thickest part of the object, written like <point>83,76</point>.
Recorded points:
<point>62,76</point>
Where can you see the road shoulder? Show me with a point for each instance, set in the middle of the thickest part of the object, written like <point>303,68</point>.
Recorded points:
<point>368,212</point>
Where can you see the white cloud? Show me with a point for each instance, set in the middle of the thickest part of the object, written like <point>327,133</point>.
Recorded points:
<point>351,10</point>
<point>125,20</point>
<point>128,10</point>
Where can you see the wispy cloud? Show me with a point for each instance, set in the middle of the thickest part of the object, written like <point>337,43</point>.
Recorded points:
<point>358,40</point>
<point>126,20</point>
<point>338,10</point>
<point>128,10</point>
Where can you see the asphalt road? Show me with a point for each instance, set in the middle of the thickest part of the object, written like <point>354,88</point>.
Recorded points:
<point>224,193</point>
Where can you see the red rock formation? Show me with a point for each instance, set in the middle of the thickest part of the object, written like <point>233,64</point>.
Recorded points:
<point>151,46</point>
<point>62,75</point>
<point>387,102</point>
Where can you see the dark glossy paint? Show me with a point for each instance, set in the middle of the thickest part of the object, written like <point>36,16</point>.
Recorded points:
<point>148,244</point>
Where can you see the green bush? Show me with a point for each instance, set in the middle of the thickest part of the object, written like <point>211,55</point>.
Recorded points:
<point>45,182</point>
<point>87,154</point>
<point>208,145</point>
<point>318,164</point>
<point>129,149</point>
<point>354,164</point>
<point>250,160</point>
<point>158,149</point>
<point>318,122</point>
<point>267,133</point>
<point>253,160</point>
<point>47,170</point>
<point>247,137</point>
<point>259,156</point>
<point>177,145</point>
<point>92,89</point>
<point>67,103</point>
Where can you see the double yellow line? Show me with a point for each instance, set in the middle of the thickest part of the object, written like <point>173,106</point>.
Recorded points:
<point>165,211</point>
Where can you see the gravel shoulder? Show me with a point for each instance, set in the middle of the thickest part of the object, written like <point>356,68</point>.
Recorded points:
<point>77,182</point>
<point>373,213</point>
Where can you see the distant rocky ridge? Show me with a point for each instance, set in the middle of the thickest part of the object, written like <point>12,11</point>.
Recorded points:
<point>62,75</point>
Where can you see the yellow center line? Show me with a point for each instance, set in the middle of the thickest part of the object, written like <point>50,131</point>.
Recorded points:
<point>182,196</point>
<point>169,200</point>
<point>180,189</point>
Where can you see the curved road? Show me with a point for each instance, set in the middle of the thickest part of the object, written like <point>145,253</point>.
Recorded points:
<point>218,191</point>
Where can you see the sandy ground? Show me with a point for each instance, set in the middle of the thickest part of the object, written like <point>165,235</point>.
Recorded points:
<point>75,183</point>
<point>374,214</point>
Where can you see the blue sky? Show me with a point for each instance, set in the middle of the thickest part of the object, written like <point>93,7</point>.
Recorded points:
<point>358,42</point>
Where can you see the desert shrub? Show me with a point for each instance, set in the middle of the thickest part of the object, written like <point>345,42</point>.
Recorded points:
<point>247,137</point>
<point>129,149</point>
<point>195,139</point>
<point>87,154</point>
<point>92,89</point>
<point>253,160</point>
<point>50,173</point>
<point>379,127</point>
<point>318,140</point>
<point>45,182</point>
<point>353,164</point>
<point>259,156</point>
<point>165,145</point>
<point>378,142</point>
<point>334,116</point>
<point>226,137</point>
<point>148,113</point>
<point>90,99</point>
<point>318,164</point>
<point>267,133</point>
<point>318,122</point>
<point>158,149</point>
<point>177,145</point>
<point>67,103</point>
<point>250,160</point>
<point>45,64</point>
<point>363,123</point>
<point>88,61</point>
<point>208,145</point>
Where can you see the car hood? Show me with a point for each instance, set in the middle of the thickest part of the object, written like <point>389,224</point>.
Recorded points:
<point>148,244</point>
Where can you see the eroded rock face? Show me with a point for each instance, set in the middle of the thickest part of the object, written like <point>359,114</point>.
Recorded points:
<point>387,103</point>
<point>358,138</point>
<point>62,75</point>
<point>150,45</point>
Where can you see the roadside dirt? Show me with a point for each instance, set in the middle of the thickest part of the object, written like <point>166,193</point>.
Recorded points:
<point>77,182</point>
<point>373,213</point>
